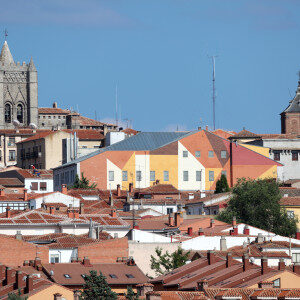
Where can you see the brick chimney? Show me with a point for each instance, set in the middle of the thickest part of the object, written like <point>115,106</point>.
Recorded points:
<point>281,264</point>
<point>264,265</point>
<point>246,262</point>
<point>113,213</point>
<point>71,214</point>
<point>29,284</point>
<point>229,260</point>
<point>19,280</point>
<point>76,214</point>
<point>18,235</point>
<point>234,221</point>
<point>211,257</point>
<point>212,223</point>
<point>171,220</point>
<point>200,232</point>
<point>246,230</point>
<point>7,212</point>
<point>2,191</point>
<point>178,220</point>
<point>201,285</point>
<point>234,231</point>
<point>8,276</point>
<point>118,190</point>
<point>190,231</point>
<point>130,187</point>
<point>64,189</point>
<point>51,210</point>
<point>37,262</point>
<point>296,268</point>
<point>25,195</point>
<point>86,261</point>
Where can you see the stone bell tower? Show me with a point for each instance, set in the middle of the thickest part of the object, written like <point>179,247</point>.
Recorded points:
<point>18,91</point>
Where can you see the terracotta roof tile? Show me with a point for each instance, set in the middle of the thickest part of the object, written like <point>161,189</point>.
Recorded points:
<point>53,110</point>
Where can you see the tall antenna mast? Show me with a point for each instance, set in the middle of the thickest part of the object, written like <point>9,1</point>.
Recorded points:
<point>5,34</point>
<point>116,104</point>
<point>214,91</point>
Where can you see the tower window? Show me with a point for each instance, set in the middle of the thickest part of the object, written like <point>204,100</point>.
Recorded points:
<point>7,112</point>
<point>20,113</point>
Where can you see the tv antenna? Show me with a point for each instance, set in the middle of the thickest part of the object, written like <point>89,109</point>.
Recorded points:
<point>213,58</point>
<point>116,104</point>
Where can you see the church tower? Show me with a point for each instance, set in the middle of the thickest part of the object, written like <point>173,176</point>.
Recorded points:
<point>18,91</point>
<point>290,117</point>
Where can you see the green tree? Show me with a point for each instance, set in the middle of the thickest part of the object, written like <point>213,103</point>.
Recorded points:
<point>130,295</point>
<point>96,287</point>
<point>222,185</point>
<point>257,203</point>
<point>83,183</point>
<point>166,262</point>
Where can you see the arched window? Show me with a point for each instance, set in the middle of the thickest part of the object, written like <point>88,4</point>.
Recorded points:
<point>20,113</point>
<point>7,113</point>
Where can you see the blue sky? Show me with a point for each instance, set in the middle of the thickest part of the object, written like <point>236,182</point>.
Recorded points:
<point>157,51</point>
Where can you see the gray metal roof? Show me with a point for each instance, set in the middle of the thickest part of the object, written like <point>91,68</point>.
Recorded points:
<point>143,141</point>
<point>294,105</point>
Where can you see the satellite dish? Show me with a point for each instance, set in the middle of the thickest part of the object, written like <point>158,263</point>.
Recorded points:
<point>16,123</point>
<point>32,126</point>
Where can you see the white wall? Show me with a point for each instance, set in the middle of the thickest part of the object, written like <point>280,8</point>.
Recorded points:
<point>190,164</point>
<point>113,137</point>
<point>49,182</point>
<point>65,255</point>
<point>142,163</point>
<point>162,209</point>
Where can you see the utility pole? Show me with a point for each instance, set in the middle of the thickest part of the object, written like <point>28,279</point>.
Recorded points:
<point>213,58</point>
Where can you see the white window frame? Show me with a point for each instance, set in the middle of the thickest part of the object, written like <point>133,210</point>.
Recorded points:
<point>185,175</point>
<point>138,175</point>
<point>223,154</point>
<point>111,175</point>
<point>166,175</point>
<point>185,153</point>
<point>198,175</point>
<point>152,175</point>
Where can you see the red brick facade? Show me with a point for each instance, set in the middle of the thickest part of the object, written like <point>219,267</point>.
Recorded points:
<point>290,123</point>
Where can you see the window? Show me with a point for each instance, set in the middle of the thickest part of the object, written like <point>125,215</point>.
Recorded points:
<point>138,175</point>
<point>44,117</point>
<point>290,213</point>
<point>59,117</point>
<point>11,141</point>
<point>152,175</point>
<point>67,276</point>
<point>223,153</point>
<point>12,155</point>
<point>210,153</point>
<point>7,113</point>
<point>276,283</point>
<point>169,211</point>
<point>211,175</point>
<point>129,276</point>
<point>294,155</point>
<point>34,186</point>
<point>277,156</point>
<point>49,117</point>
<point>54,258</point>
<point>166,175</point>
<point>184,154</point>
<point>124,176</point>
<point>296,257</point>
<point>113,276</point>
<point>197,153</point>
<point>185,175</point>
<point>20,113</point>
<point>198,175</point>
<point>224,173</point>
<point>111,175</point>
<point>43,186</point>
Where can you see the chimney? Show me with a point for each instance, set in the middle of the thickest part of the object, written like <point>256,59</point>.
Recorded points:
<point>7,212</point>
<point>18,235</point>
<point>29,284</point>
<point>19,279</point>
<point>211,257</point>
<point>111,200</point>
<point>118,190</point>
<point>246,262</point>
<point>37,262</point>
<point>200,232</point>
<point>296,268</point>
<point>246,230</point>
<point>25,195</point>
<point>260,238</point>
<point>81,210</point>
<point>71,214</point>
<point>281,264</point>
<point>201,285</point>
<point>8,275</point>
<point>266,284</point>
<point>229,260</point>
<point>177,219</point>
<point>113,213</point>
<point>298,234</point>
<point>171,220</point>
<point>190,231</point>
<point>51,210</point>
<point>130,187</point>
<point>86,262</point>
<point>223,245</point>
<point>76,214</point>
<point>212,223</point>
<point>234,231</point>
<point>2,191</point>
<point>64,189</point>
<point>234,221</point>
<point>264,265</point>
<point>58,296</point>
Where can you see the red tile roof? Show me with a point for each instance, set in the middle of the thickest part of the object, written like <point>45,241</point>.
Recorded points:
<point>244,134</point>
<point>160,189</point>
<point>53,110</point>
<point>130,131</point>
<point>11,182</point>
<point>288,201</point>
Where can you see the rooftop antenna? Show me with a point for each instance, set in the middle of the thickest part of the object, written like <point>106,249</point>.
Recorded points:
<point>5,34</point>
<point>96,115</point>
<point>116,104</point>
<point>213,58</point>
